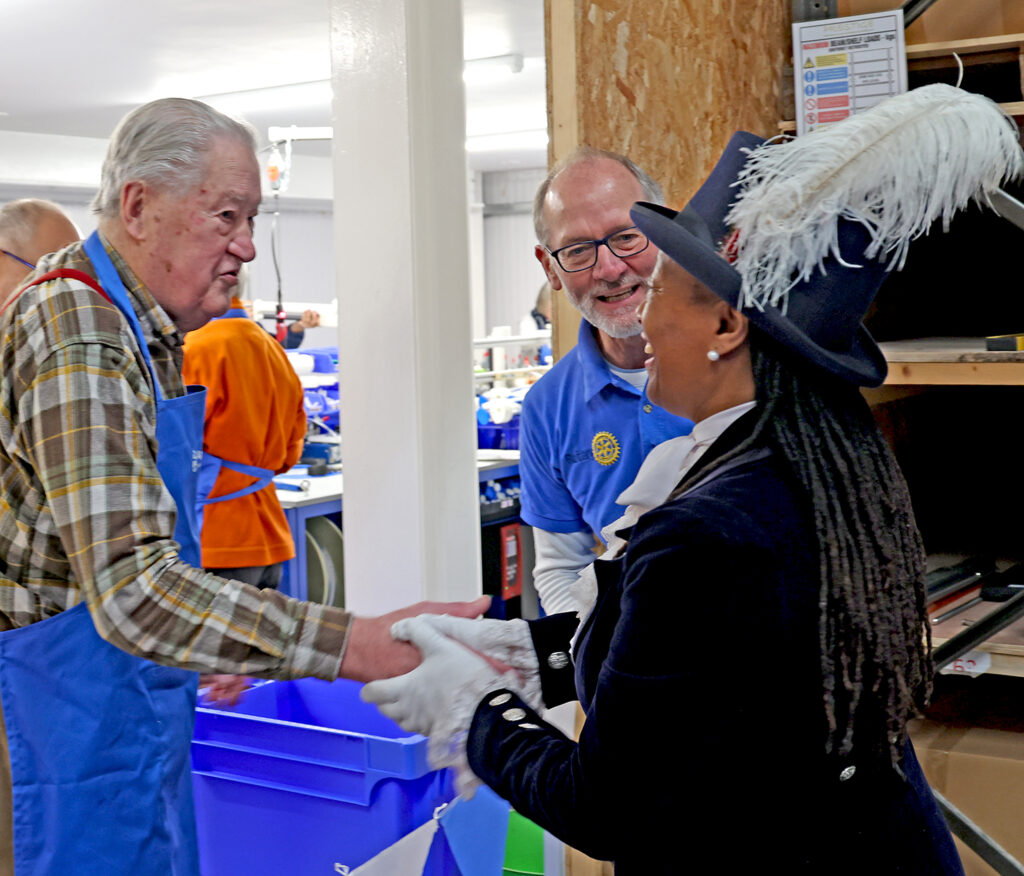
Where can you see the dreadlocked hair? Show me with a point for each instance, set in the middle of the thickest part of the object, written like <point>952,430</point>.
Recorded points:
<point>875,641</point>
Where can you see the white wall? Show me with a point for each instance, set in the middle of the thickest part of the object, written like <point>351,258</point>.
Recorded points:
<point>305,259</point>
<point>512,274</point>
<point>303,231</point>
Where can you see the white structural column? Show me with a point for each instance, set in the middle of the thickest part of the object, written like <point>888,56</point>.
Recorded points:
<point>411,506</point>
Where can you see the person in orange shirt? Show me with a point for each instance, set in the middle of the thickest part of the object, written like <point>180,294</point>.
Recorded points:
<point>255,427</point>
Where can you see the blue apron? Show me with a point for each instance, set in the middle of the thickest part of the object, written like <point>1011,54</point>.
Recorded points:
<point>99,739</point>
<point>211,465</point>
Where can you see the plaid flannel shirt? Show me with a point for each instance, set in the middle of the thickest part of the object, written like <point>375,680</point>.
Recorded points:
<point>84,514</point>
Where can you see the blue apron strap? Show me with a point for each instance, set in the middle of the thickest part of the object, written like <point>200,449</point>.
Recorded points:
<point>209,471</point>
<point>179,421</point>
<point>111,282</point>
<point>233,313</point>
<point>263,477</point>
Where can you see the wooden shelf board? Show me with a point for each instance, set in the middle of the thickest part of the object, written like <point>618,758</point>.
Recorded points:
<point>1006,647</point>
<point>999,43</point>
<point>1014,108</point>
<point>951,362</point>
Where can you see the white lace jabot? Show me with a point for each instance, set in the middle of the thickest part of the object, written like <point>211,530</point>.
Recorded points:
<point>659,474</point>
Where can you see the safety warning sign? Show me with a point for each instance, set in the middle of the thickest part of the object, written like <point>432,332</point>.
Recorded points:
<point>845,65</point>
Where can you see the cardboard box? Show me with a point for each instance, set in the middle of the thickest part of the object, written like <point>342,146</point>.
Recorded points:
<point>980,770</point>
<point>950,21</point>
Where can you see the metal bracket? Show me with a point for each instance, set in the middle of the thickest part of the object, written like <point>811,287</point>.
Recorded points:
<point>988,626</point>
<point>1008,207</point>
<point>813,10</point>
<point>913,9</point>
<point>977,840</point>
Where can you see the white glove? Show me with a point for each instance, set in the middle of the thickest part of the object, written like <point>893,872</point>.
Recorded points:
<point>439,697</point>
<point>507,641</point>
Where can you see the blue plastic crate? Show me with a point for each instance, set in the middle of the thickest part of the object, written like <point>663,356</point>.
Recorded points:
<point>510,434</point>
<point>304,777</point>
<point>489,436</point>
<point>324,358</point>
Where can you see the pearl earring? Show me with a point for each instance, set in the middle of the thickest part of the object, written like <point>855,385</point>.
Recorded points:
<point>713,355</point>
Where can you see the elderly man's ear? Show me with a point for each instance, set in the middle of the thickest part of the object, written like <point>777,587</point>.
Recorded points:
<point>135,197</point>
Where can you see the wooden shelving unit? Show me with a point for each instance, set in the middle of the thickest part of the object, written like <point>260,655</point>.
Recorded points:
<point>1005,49</point>
<point>915,367</point>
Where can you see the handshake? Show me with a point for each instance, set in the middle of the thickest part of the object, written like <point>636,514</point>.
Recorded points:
<point>463,660</point>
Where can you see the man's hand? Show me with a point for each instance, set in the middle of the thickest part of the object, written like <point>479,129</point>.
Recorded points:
<point>223,690</point>
<point>423,699</point>
<point>309,319</point>
<point>371,653</point>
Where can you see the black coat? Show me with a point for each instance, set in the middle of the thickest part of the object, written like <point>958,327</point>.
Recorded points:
<point>699,671</point>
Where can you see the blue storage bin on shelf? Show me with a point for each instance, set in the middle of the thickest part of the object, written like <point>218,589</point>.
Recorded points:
<point>510,434</point>
<point>325,359</point>
<point>304,777</point>
<point>490,436</point>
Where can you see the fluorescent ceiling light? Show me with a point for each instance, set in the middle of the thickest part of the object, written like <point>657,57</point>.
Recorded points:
<point>294,132</point>
<point>275,97</point>
<point>508,140</point>
<point>481,71</point>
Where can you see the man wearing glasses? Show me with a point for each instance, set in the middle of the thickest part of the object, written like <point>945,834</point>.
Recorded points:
<point>587,425</point>
<point>29,229</point>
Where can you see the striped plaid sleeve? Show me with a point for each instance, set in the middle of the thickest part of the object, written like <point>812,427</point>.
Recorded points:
<point>87,421</point>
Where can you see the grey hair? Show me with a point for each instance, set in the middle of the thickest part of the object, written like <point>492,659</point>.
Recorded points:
<point>19,220</point>
<point>164,143</point>
<point>581,155</point>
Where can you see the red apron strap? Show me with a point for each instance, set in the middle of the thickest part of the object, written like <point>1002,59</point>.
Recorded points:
<point>62,273</point>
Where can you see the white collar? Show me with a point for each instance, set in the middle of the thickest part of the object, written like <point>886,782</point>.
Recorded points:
<point>663,468</point>
<point>666,464</point>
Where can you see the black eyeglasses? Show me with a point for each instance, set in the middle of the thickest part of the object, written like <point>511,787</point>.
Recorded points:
<point>583,254</point>
<point>18,259</point>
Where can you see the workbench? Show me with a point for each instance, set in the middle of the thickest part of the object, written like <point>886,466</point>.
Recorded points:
<point>322,497</point>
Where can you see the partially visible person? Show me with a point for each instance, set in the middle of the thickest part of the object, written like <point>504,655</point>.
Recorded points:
<point>254,428</point>
<point>106,617</point>
<point>539,316</point>
<point>296,331</point>
<point>788,544</point>
<point>292,335</point>
<point>588,424</point>
<point>29,229</point>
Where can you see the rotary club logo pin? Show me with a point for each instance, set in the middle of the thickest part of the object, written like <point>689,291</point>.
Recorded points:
<point>605,448</point>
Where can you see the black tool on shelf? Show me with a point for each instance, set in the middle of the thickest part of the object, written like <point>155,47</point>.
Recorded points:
<point>1005,585</point>
<point>948,580</point>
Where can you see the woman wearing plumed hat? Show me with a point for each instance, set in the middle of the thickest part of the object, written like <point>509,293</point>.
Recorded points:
<point>752,644</point>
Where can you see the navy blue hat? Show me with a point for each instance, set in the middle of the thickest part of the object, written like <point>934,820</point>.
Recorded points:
<point>822,321</point>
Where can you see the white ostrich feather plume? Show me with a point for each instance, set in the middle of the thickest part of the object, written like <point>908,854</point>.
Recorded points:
<point>895,168</point>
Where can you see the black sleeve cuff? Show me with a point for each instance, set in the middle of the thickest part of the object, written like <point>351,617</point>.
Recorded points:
<point>501,714</point>
<point>552,636</point>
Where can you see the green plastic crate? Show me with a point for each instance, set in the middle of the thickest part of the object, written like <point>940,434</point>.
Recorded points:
<point>524,848</point>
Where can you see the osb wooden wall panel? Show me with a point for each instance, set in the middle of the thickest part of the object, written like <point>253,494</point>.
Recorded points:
<point>666,82</point>
<point>948,20</point>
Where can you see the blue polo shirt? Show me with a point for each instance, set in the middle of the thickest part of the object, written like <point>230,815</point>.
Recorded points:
<point>583,434</point>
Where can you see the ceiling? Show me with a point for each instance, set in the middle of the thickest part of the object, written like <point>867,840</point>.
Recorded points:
<point>75,68</point>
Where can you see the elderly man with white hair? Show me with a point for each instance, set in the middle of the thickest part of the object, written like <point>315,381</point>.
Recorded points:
<point>106,618</point>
